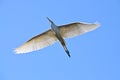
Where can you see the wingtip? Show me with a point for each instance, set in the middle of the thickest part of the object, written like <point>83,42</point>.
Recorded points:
<point>16,51</point>
<point>97,24</point>
<point>19,50</point>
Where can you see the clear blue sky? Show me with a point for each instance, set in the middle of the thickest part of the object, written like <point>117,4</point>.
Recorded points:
<point>94,55</point>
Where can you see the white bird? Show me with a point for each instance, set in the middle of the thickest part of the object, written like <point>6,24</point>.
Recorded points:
<point>56,33</point>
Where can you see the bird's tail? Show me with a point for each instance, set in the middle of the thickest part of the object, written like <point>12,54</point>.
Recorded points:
<point>66,50</point>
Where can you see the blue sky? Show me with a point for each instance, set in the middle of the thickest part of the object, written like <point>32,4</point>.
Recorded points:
<point>94,55</point>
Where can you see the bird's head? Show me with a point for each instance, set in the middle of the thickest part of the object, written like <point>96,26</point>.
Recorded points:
<point>50,21</point>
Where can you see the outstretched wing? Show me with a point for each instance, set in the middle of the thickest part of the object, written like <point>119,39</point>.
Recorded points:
<point>75,29</point>
<point>38,42</point>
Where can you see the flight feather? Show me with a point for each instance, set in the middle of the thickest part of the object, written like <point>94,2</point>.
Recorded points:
<point>75,29</point>
<point>38,42</point>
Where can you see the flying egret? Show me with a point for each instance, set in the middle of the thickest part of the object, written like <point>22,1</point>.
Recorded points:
<point>56,33</point>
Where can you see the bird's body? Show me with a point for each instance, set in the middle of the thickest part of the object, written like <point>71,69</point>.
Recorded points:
<point>56,33</point>
<point>59,36</point>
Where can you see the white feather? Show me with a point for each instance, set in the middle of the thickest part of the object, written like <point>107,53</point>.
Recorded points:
<point>75,29</point>
<point>48,38</point>
<point>38,42</point>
